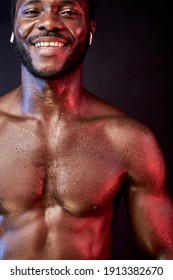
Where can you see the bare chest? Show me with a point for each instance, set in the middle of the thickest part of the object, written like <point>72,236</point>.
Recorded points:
<point>75,168</point>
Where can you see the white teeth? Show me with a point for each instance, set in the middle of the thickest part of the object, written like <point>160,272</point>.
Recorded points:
<point>49,44</point>
<point>52,44</point>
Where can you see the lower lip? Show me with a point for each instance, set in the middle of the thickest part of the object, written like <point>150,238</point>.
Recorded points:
<point>49,50</point>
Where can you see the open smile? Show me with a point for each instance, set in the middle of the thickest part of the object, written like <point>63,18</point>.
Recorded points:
<point>49,44</point>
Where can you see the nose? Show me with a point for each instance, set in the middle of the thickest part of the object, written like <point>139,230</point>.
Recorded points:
<point>50,21</point>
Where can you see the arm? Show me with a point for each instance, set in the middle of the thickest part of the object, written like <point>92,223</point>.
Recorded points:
<point>149,207</point>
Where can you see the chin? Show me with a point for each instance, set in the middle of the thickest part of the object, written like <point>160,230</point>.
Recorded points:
<point>48,75</point>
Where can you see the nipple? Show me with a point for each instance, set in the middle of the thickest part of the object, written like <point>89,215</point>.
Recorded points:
<point>95,207</point>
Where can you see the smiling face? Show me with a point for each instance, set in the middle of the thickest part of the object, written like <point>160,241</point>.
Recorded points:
<point>52,36</point>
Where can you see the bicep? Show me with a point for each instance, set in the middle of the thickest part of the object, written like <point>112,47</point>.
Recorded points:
<point>149,206</point>
<point>151,218</point>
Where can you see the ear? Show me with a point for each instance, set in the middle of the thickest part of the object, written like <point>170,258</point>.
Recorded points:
<point>92,30</point>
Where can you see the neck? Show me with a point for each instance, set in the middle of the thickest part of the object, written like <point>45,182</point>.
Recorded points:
<point>60,96</point>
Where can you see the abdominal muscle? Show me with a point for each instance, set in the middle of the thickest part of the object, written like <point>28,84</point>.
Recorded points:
<point>54,233</point>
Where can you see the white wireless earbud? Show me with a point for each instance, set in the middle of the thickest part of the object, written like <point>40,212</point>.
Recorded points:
<point>91,38</point>
<point>12,38</point>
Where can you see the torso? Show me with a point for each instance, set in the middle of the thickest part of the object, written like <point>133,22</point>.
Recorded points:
<point>57,187</point>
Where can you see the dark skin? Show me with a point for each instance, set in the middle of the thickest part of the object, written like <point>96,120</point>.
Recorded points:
<point>65,155</point>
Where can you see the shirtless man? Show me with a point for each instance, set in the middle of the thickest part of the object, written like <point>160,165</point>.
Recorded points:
<point>66,154</point>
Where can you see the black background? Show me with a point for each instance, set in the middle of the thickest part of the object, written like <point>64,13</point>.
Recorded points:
<point>128,65</point>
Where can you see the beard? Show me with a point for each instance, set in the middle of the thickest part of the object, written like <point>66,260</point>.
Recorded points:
<point>70,65</point>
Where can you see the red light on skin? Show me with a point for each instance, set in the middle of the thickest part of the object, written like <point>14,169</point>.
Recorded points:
<point>40,189</point>
<point>155,210</point>
<point>40,176</point>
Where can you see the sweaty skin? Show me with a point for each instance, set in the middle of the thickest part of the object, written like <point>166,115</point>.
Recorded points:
<point>66,155</point>
<point>58,178</point>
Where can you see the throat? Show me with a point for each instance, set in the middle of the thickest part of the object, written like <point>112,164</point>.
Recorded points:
<point>51,103</point>
<point>64,93</point>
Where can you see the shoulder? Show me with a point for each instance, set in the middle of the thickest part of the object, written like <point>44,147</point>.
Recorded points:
<point>140,152</point>
<point>9,102</point>
<point>10,111</point>
<point>137,141</point>
<point>119,128</point>
<point>10,106</point>
<point>136,146</point>
<point>128,129</point>
<point>131,138</point>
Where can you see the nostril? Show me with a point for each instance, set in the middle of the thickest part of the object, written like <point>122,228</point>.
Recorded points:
<point>50,22</point>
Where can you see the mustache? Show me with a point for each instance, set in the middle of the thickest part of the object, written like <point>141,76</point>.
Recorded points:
<point>67,39</point>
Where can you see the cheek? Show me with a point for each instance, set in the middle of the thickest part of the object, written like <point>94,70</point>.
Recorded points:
<point>81,28</point>
<point>78,30</point>
<point>23,30</point>
<point>81,33</point>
